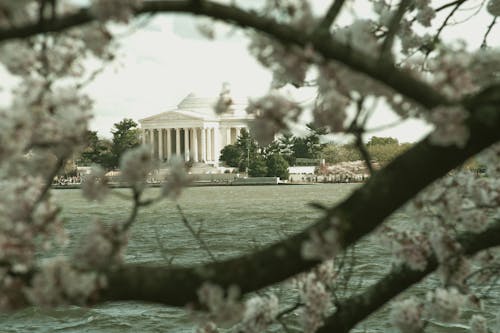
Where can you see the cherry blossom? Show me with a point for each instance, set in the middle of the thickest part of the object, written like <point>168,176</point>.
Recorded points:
<point>272,114</point>
<point>177,179</point>
<point>445,304</point>
<point>117,10</point>
<point>478,324</point>
<point>136,164</point>
<point>223,306</point>
<point>94,185</point>
<point>407,315</point>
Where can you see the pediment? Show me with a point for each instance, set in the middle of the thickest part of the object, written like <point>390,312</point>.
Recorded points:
<point>173,116</point>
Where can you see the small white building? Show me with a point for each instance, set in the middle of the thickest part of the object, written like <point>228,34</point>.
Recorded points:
<point>193,130</point>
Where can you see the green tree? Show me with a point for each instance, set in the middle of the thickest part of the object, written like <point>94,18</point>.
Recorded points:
<point>309,146</point>
<point>125,136</point>
<point>257,167</point>
<point>380,140</point>
<point>231,155</point>
<point>248,147</point>
<point>285,143</point>
<point>277,166</point>
<point>96,151</point>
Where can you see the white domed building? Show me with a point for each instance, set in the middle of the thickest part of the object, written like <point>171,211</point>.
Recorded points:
<point>193,130</point>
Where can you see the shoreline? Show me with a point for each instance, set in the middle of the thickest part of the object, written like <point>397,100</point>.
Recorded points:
<point>196,184</point>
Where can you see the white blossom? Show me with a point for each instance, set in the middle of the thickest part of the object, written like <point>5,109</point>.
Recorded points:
<point>58,283</point>
<point>136,164</point>
<point>445,304</point>
<point>224,308</point>
<point>177,179</point>
<point>425,13</point>
<point>411,248</point>
<point>406,315</point>
<point>95,184</point>
<point>322,244</point>
<point>450,127</point>
<point>117,10</point>
<point>259,313</point>
<point>224,101</point>
<point>478,324</point>
<point>101,248</point>
<point>272,114</point>
<point>359,36</point>
<point>317,302</point>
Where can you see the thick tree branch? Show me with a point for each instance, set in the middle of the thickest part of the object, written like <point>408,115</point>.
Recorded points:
<point>355,309</point>
<point>381,195</point>
<point>383,71</point>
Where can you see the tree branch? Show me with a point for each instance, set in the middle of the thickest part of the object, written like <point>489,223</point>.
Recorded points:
<point>386,48</point>
<point>485,37</point>
<point>380,196</point>
<point>331,15</point>
<point>355,309</point>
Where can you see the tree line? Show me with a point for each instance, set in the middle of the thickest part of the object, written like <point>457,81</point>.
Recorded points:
<point>105,152</point>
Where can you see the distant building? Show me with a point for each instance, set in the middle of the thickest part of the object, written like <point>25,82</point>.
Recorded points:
<point>193,130</point>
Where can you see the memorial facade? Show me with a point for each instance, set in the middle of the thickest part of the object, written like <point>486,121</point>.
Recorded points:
<point>193,130</point>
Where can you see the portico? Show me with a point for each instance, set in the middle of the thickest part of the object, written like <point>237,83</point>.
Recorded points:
<point>193,131</point>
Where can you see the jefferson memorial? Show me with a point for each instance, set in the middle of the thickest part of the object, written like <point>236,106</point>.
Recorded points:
<point>193,130</point>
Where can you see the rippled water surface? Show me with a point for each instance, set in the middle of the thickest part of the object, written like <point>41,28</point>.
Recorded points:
<point>234,220</point>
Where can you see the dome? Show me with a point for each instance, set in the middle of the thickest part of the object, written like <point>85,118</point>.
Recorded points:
<point>193,101</point>
<point>199,103</point>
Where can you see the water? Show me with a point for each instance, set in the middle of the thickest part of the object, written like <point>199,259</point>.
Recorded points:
<point>234,220</point>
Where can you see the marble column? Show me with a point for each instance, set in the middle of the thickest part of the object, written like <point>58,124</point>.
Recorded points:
<point>216,145</point>
<point>160,144</point>
<point>195,145</point>
<point>152,141</point>
<point>143,136</point>
<point>228,136</point>
<point>209,144</point>
<point>169,143</point>
<point>178,142</point>
<point>186,144</point>
<point>204,144</point>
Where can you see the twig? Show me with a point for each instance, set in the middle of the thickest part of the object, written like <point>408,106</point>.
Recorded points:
<point>135,208</point>
<point>163,251</point>
<point>194,234</point>
<point>443,25</point>
<point>483,44</point>
<point>288,310</point>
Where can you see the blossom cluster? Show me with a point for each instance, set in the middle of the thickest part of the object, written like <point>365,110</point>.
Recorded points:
<point>177,179</point>
<point>410,315</point>
<point>272,113</point>
<point>322,244</point>
<point>116,10</point>
<point>224,307</point>
<point>102,247</point>
<point>136,164</point>
<point>315,295</point>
